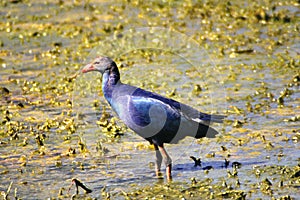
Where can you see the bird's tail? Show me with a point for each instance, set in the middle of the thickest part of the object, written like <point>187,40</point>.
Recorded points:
<point>205,131</point>
<point>217,118</point>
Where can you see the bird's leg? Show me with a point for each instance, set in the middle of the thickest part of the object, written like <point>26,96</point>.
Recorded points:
<point>168,161</point>
<point>158,161</point>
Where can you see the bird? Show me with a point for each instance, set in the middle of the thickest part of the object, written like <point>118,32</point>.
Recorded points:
<point>156,118</point>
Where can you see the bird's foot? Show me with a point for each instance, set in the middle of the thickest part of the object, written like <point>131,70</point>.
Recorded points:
<point>159,174</point>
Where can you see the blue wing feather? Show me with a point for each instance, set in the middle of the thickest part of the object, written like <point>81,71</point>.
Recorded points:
<point>185,110</point>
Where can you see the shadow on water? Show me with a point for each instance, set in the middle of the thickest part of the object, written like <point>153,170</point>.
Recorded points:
<point>207,165</point>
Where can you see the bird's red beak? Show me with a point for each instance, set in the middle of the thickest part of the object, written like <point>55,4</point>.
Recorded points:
<point>88,68</point>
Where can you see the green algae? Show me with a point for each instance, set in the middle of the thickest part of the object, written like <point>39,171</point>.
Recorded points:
<point>57,127</point>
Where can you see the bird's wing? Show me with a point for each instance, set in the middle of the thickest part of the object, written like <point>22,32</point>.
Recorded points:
<point>135,105</point>
<point>144,107</point>
<point>184,110</point>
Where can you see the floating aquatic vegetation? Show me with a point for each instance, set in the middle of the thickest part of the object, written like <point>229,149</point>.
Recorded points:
<point>253,46</point>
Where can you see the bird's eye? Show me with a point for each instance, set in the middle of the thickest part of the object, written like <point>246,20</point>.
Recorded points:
<point>97,63</point>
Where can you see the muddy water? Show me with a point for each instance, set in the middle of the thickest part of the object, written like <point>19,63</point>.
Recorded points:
<point>241,60</point>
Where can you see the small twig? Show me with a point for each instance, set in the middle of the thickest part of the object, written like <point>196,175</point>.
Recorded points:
<point>79,184</point>
<point>74,75</point>
<point>16,196</point>
<point>5,194</point>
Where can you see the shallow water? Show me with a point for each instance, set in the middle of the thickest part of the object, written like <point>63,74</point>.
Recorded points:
<point>245,59</point>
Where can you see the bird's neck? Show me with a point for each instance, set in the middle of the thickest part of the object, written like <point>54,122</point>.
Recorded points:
<point>110,80</point>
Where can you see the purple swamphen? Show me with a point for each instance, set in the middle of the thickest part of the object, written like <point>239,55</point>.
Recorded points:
<point>156,118</point>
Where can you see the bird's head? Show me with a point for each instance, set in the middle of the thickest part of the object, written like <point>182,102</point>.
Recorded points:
<point>100,64</point>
